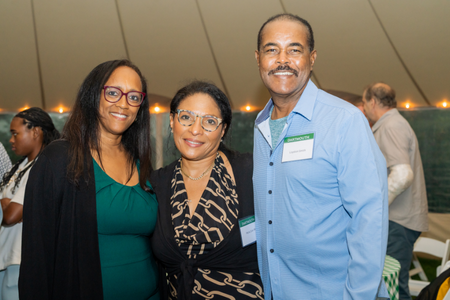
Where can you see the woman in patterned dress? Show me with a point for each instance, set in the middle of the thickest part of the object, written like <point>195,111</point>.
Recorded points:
<point>202,197</point>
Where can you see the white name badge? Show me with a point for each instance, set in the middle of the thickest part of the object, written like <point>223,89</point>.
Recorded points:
<point>298,147</point>
<point>248,230</point>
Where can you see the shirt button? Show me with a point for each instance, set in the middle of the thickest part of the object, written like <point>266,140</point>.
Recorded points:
<point>270,221</point>
<point>271,164</point>
<point>270,191</point>
<point>271,250</point>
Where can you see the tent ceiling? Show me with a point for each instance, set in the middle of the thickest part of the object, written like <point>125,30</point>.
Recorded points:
<point>48,47</point>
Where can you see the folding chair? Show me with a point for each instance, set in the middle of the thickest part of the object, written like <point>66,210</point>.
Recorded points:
<point>432,247</point>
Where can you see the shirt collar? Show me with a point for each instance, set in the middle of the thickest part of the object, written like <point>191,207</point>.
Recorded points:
<point>383,118</point>
<point>304,106</point>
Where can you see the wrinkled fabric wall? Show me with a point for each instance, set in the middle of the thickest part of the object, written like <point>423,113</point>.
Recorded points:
<point>432,127</point>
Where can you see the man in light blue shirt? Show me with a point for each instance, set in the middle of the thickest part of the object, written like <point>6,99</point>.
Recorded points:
<point>320,183</point>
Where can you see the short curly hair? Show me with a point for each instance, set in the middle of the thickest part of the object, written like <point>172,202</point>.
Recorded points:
<point>289,17</point>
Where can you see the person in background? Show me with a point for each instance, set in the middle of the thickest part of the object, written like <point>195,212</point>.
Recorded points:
<point>354,99</point>
<point>204,238</point>
<point>408,206</point>
<point>31,131</point>
<point>5,161</point>
<point>321,219</point>
<point>87,222</point>
<point>5,165</point>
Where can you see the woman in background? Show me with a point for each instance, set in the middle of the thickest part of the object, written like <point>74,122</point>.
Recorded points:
<point>202,197</point>
<point>87,222</point>
<point>31,131</point>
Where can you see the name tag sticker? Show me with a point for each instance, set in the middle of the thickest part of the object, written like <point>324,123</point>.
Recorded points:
<point>298,147</point>
<point>248,230</point>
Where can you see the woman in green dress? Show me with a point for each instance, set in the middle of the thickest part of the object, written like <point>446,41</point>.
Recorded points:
<point>88,220</point>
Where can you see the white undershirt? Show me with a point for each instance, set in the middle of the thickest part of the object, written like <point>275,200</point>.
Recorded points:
<point>11,237</point>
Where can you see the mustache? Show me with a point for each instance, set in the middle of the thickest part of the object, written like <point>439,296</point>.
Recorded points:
<point>284,68</point>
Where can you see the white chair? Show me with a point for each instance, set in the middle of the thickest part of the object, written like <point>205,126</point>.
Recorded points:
<point>432,247</point>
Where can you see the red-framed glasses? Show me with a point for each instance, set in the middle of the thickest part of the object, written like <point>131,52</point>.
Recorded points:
<point>113,94</point>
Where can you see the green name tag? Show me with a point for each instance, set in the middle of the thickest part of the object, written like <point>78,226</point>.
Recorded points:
<point>298,147</point>
<point>248,232</point>
<point>299,138</point>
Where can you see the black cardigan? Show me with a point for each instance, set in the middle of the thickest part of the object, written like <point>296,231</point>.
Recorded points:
<point>229,255</point>
<point>60,253</point>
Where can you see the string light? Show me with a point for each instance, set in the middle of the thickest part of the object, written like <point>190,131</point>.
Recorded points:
<point>247,108</point>
<point>157,109</point>
<point>61,109</point>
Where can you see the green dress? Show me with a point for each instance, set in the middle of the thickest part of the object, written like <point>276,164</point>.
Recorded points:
<point>126,217</point>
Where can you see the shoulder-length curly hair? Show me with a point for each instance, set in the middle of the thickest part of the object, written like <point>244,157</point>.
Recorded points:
<point>82,127</point>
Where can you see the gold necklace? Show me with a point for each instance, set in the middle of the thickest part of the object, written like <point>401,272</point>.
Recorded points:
<point>200,177</point>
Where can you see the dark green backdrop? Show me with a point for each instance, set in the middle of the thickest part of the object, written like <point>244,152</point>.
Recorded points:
<point>432,127</point>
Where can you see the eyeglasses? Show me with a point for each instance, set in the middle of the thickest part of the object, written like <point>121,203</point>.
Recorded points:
<point>187,118</point>
<point>113,94</point>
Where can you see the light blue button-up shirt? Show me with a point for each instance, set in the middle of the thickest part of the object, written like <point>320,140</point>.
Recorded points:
<point>321,223</point>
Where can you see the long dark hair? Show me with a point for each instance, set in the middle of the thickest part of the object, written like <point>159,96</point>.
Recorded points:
<point>82,127</point>
<point>32,117</point>
<point>204,87</point>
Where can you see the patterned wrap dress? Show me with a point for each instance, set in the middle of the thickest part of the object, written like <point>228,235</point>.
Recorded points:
<point>214,218</point>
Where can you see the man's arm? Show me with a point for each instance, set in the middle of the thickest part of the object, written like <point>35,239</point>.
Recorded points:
<point>400,178</point>
<point>362,179</point>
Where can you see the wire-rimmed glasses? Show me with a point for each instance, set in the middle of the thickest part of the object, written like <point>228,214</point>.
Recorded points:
<point>113,94</point>
<point>187,118</point>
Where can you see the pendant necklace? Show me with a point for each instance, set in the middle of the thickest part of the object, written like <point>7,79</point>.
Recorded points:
<point>196,178</point>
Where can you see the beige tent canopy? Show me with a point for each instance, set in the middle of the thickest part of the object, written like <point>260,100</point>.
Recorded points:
<point>48,47</point>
